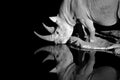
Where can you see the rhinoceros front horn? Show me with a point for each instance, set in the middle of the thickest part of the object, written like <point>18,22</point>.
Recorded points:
<point>47,37</point>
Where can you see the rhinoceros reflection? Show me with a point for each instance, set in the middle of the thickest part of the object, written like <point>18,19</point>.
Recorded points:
<point>66,67</point>
<point>61,54</point>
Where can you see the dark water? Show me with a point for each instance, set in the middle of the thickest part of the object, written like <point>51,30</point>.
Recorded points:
<point>41,70</point>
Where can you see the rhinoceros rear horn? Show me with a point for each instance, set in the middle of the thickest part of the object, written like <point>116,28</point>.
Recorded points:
<point>50,29</point>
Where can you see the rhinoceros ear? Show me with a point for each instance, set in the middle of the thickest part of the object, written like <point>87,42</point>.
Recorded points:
<point>54,19</point>
<point>54,70</point>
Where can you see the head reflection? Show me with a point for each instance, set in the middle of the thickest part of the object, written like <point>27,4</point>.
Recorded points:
<point>67,67</point>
